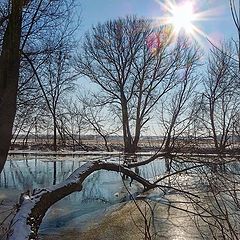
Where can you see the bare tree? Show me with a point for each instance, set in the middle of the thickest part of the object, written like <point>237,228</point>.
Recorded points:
<point>175,111</point>
<point>30,104</point>
<point>221,98</point>
<point>57,78</point>
<point>134,65</point>
<point>74,125</point>
<point>9,74</point>
<point>22,30</point>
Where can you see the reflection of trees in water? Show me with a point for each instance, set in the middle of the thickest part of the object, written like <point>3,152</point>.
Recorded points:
<point>18,174</point>
<point>31,173</point>
<point>12,175</point>
<point>4,182</point>
<point>92,188</point>
<point>153,169</point>
<point>54,172</point>
<point>101,186</point>
<point>168,164</point>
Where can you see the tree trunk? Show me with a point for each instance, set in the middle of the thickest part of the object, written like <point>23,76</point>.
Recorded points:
<point>106,143</point>
<point>9,75</point>
<point>137,134</point>
<point>215,139</point>
<point>167,147</point>
<point>127,137</point>
<point>167,144</point>
<point>33,207</point>
<point>54,133</point>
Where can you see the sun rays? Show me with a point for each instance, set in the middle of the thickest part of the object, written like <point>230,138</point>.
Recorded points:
<point>184,17</point>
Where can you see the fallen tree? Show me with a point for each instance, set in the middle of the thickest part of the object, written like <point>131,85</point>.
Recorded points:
<point>33,206</point>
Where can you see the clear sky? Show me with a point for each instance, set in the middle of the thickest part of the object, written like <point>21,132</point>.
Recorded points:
<point>217,23</point>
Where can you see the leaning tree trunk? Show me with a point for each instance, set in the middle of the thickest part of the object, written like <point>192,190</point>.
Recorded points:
<point>9,74</point>
<point>33,207</point>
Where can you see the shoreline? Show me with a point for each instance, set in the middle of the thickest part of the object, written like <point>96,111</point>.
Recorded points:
<point>104,153</point>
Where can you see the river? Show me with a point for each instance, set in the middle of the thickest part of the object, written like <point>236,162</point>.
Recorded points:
<point>103,191</point>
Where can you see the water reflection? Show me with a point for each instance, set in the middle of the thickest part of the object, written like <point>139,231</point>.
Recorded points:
<point>32,173</point>
<point>100,190</point>
<point>103,189</point>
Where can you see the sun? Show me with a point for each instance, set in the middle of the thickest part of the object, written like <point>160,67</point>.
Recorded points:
<point>182,17</point>
<point>185,17</point>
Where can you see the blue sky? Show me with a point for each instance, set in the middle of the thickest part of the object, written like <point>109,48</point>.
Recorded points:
<point>218,24</point>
